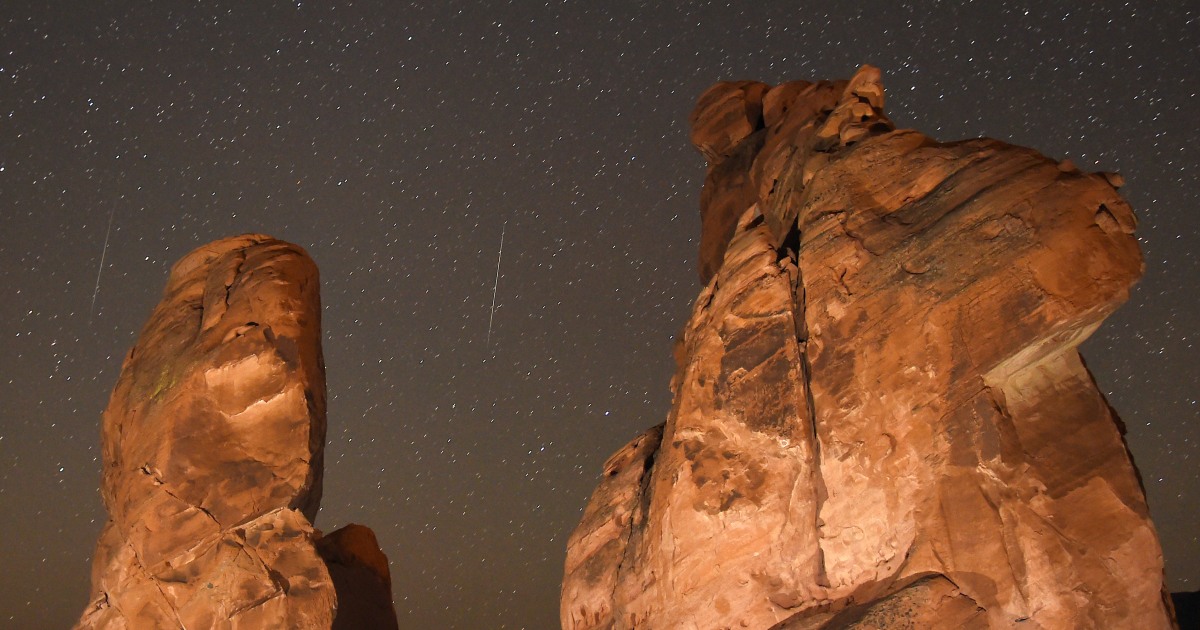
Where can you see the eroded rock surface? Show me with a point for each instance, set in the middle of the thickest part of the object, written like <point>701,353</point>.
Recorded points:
<point>212,451</point>
<point>880,417</point>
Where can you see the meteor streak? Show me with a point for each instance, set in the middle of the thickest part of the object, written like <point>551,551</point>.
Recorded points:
<point>496,285</point>
<point>96,290</point>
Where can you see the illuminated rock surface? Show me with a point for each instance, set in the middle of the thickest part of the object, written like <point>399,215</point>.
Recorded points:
<point>212,446</point>
<point>880,416</point>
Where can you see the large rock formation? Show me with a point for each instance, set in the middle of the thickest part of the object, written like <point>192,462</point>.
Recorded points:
<point>880,417</point>
<point>212,446</point>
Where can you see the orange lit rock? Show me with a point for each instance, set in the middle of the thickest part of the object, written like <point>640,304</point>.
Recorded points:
<point>880,416</point>
<point>212,445</point>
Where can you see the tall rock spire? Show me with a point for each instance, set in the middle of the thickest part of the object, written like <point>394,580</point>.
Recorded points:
<point>879,413</point>
<point>213,443</point>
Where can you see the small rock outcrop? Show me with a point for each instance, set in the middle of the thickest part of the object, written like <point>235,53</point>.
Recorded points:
<point>880,417</point>
<point>361,578</point>
<point>212,452</point>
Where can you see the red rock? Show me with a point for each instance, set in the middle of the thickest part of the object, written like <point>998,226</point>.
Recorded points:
<point>361,577</point>
<point>726,114</point>
<point>880,418</point>
<point>212,445</point>
<point>728,191</point>
<point>599,543</point>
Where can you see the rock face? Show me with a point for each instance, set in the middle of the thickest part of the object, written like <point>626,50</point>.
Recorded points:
<point>212,446</point>
<point>361,577</point>
<point>880,417</point>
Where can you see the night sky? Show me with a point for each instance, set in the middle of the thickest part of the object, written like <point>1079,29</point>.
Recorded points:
<point>394,143</point>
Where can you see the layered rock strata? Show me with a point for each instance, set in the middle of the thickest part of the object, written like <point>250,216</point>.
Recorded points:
<point>212,452</point>
<point>880,417</point>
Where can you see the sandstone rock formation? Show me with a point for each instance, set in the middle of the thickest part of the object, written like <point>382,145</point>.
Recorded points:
<point>212,449</point>
<point>361,578</point>
<point>880,417</point>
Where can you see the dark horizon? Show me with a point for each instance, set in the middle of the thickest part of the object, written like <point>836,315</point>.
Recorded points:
<point>396,143</point>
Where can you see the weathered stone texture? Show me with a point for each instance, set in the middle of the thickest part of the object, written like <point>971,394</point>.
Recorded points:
<point>212,451</point>
<point>880,416</point>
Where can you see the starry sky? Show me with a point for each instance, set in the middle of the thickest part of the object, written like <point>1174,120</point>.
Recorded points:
<point>395,142</point>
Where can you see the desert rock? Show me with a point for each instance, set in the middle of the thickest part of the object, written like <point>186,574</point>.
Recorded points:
<point>212,451</point>
<point>361,577</point>
<point>880,417</point>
